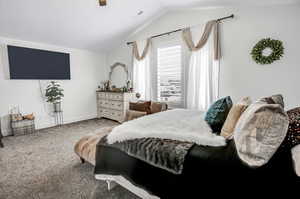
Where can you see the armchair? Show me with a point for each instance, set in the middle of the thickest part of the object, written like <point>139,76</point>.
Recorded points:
<point>155,107</point>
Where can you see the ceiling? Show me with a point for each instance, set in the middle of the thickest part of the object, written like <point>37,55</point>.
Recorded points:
<point>83,24</point>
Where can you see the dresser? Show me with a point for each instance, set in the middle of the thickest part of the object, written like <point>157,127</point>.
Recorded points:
<point>113,105</point>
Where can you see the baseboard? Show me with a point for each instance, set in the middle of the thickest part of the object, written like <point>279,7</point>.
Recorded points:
<point>80,118</point>
<point>48,124</point>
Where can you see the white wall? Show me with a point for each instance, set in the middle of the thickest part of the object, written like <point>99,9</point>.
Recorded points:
<point>88,69</point>
<point>240,75</point>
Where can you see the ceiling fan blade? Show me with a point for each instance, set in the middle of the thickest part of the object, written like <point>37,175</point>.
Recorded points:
<point>102,2</point>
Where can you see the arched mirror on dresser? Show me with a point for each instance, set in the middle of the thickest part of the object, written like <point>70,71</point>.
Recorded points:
<point>119,75</point>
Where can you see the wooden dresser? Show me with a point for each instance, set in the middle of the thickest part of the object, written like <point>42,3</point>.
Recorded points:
<point>113,105</point>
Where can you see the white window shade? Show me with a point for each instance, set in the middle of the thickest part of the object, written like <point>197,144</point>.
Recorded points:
<point>169,75</point>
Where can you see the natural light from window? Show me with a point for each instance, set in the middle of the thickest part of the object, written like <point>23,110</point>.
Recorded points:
<point>169,75</point>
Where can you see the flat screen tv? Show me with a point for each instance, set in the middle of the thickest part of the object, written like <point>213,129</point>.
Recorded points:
<point>28,63</point>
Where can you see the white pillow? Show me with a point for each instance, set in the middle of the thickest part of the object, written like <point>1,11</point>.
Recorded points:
<point>296,158</point>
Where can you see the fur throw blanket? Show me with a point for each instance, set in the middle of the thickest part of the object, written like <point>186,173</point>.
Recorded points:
<point>179,124</point>
<point>165,154</point>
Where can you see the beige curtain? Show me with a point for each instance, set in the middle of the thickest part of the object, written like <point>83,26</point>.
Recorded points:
<point>142,70</point>
<point>136,52</point>
<point>211,25</point>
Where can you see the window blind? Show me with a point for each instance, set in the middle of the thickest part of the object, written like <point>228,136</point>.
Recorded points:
<point>169,75</point>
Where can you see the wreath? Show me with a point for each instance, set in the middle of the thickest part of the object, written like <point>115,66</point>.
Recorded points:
<point>276,47</point>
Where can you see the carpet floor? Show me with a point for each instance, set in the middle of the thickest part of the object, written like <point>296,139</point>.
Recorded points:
<point>44,166</point>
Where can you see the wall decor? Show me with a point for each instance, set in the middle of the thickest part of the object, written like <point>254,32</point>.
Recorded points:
<point>268,50</point>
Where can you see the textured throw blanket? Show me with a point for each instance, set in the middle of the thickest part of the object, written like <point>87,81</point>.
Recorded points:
<point>165,154</point>
<point>179,124</point>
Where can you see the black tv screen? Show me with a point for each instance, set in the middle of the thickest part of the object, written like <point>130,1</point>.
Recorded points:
<point>28,63</point>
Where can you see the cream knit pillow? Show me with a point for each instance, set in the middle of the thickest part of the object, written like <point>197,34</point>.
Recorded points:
<point>233,117</point>
<point>260,131</point>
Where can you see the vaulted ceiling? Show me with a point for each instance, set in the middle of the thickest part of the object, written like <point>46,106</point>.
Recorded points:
<point>83,24</point>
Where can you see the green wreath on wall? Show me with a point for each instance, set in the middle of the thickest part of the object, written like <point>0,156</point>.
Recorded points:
<point>276,47</point>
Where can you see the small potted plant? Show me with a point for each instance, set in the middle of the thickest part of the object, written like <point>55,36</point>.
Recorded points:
<point>54,95</point>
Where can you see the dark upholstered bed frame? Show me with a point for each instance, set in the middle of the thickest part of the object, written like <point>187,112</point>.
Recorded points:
<point>205,168</point>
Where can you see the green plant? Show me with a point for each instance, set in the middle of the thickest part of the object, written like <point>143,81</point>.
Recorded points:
<point>275,45</point>
<point>54,93</point>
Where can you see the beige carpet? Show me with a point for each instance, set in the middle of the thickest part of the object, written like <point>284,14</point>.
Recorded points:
<point>44,166</point>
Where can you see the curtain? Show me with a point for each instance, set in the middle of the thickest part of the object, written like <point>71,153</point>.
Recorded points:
<point>141,69</point>
<point>211,25</point>
<point>203,75</point>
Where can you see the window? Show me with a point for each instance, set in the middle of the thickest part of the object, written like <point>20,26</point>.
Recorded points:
<point>169,75</point>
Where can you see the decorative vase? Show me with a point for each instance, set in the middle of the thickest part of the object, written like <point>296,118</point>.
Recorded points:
<point>57,107</point>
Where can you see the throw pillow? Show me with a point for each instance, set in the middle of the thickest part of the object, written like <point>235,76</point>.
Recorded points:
<point>233,117</point>
<point>274,99</point>
<point>141,106</point>
<point>217,114</point>
<point>293,135</point>
<point>260,131</point>
<point>157,107</point>
<point>29,117</point>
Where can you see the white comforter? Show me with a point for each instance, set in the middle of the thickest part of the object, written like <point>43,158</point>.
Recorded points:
<point>178,124</point>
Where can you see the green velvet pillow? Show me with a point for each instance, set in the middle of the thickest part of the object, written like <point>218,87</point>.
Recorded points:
<point>217,113</point>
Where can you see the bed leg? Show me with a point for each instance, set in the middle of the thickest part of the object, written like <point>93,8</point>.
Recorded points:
<point>82,160</point>
<point>108,182</point>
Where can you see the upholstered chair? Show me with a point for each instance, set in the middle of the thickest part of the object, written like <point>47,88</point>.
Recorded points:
<point>155,107</point>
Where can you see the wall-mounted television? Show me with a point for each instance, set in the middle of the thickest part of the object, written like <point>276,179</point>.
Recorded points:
<point>28,63</point>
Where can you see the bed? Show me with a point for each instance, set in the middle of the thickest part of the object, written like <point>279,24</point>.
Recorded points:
<point>178,154</point>
<point>204,168</point>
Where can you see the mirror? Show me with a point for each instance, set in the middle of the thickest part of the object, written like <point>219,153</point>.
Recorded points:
<point>118,75</point>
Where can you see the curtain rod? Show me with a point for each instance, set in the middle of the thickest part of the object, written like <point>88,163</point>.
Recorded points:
<point>167,33</point>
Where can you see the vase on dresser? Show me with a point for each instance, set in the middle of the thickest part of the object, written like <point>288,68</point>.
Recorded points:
<point>113,105</point>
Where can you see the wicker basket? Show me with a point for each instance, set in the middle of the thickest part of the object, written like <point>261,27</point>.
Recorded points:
<point>23,127</point>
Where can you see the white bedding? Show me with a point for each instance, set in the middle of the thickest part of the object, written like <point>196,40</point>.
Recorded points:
<point>178,124</point>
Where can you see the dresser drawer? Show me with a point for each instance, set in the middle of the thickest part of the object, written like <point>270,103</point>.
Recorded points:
<point>117,115</point>
<point>105,113</point>
<point>115,96</point>
<point>117,105</point>
<point>104,103</point>
<point>111,114</point>
<point>101,95</point>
